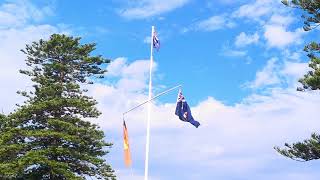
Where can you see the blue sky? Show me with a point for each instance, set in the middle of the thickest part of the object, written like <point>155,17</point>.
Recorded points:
<point>238,62</point>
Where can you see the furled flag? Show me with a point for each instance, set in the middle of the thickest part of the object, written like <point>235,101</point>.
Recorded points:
<point>155,41</point>
<point>183,110</point>
<point>127,156</point>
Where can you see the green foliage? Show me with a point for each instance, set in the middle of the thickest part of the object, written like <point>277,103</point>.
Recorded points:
<point>46,137</point>
<point>311,7</point>
<point>310,81</point>
<point>2,121</point>
<point>308,149</point>
<point>303,151</point>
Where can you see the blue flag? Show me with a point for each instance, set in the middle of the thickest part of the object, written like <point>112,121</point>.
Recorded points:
<point>155,41</point>
<point>183,111</point>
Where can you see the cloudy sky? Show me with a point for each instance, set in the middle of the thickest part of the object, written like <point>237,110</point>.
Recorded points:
<point>238,62</point>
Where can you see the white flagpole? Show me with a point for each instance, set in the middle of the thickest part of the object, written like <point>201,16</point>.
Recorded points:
<point>146,163</point>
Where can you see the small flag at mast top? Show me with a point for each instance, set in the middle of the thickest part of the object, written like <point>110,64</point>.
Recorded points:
<point>155,41</point>
<point>127,155</point>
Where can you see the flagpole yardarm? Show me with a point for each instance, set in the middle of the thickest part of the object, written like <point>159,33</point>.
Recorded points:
<point>146,163</point>
<point>158,95</point>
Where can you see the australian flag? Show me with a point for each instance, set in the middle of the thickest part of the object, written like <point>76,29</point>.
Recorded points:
<point>184,112</point>
<point>155,41</point>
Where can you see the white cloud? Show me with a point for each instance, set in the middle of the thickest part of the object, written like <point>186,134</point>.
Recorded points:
<point>138,69</point>
<point>258,9</point>
<point>295,56</point>
<point>295,69</point>
<point>253,10</point>
<point>116,66</point>
<point>274,19</point>
<point>292,54</point>
<point>20,13</point>
<point>277,36</point>
<point>132,76</point>
<point>281,20</point>
<point>285,73</point>
<point>292,71</point>
<point>148,8</point>
<point>267,76</point>
<point>215,23</point>
<point>243,39</point>
<point>227,51</point>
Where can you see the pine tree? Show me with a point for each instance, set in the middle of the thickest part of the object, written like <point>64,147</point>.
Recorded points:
<point>47,137</point>
<point>310,81</point>
<point>309,149</point>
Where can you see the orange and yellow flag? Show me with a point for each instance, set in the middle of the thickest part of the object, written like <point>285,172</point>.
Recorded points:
<point>127,156</point>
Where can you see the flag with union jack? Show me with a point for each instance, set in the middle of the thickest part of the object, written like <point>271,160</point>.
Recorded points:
<point>155,41</point>
<point>183,110</point>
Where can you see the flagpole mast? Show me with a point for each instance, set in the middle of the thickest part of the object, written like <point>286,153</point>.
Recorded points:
<point>146,163</point>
